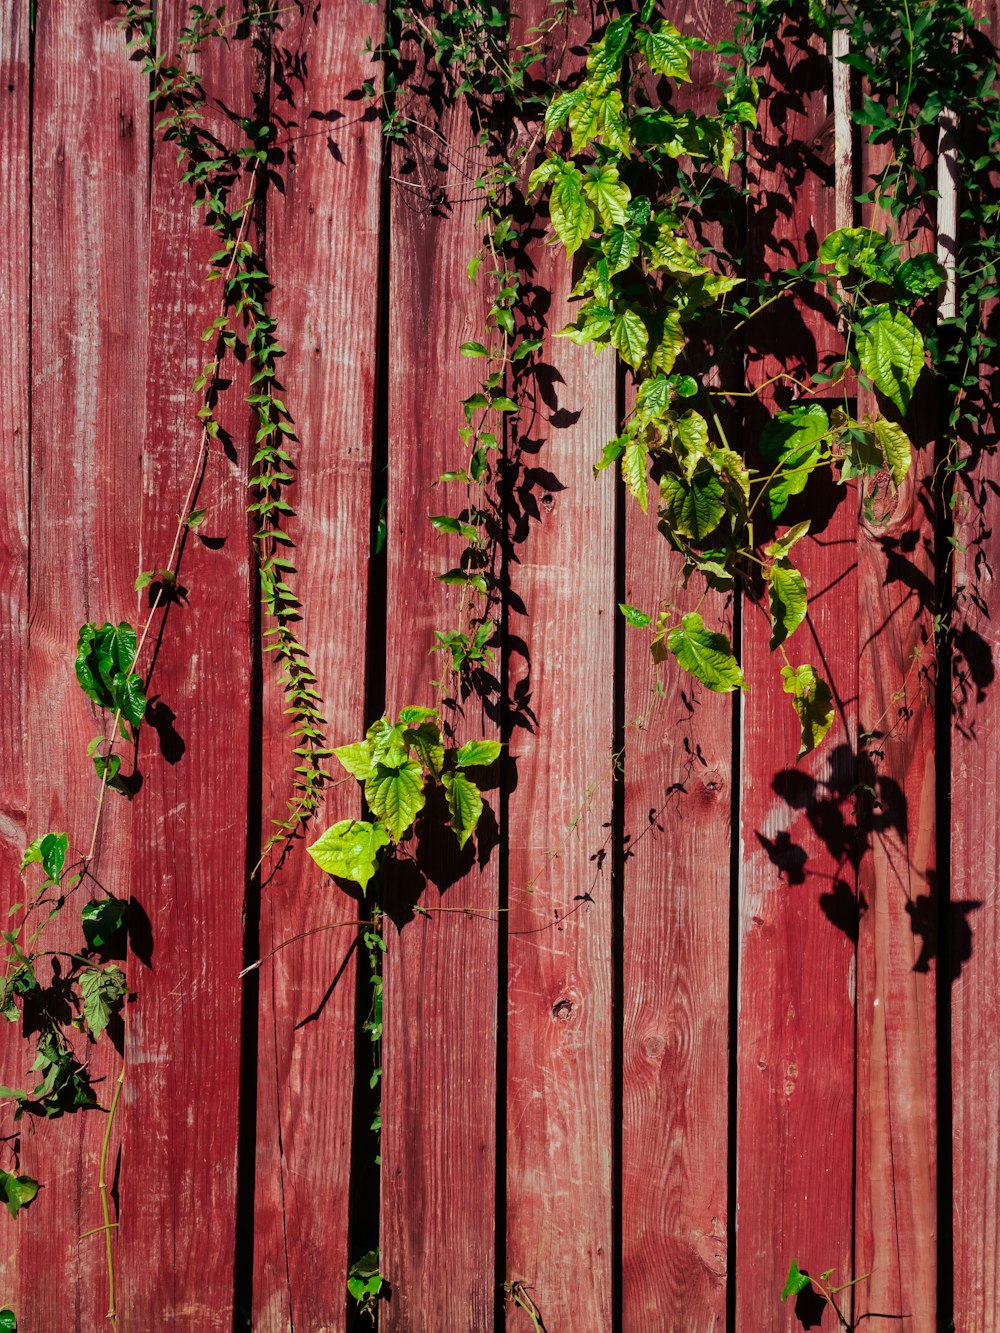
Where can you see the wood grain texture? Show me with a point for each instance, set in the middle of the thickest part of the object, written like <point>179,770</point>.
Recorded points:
<point>181,1100</point>
<point>323,248</point>
<point>798,906</point>
<point>440,1005</point>
<point>559,955</point>
<point>973,960</point>
<point>675,945</point>
<point>87,361</point>
<point>15,374</point>
<point>896,1205</point>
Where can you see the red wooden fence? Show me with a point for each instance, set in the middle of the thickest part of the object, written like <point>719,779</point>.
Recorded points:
<point>701,1010</point>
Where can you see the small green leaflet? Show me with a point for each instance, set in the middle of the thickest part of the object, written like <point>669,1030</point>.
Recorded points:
<point>572,217</point>
<point>795,1282</point>
<point>102,989</point>
<point>812,701</point>
<point>633,615</point>
<point>50,851</point>
<point>8,1319</point>
<point>607,193</point>
<point>692,509</point>
<point>478,753</point>
<point>18,1192</point>
<point>635,472</point>
<point>465,805</point>
<point>791,445</point>
<point>349,850</point>
<point>667,51</point>
<point>102,920</point>
<point>891,352</point>
<point>396,795</point>
<point>787,599</point>
<point>896,448</point>
<point>708,656</point>
<point>364,1281</point>
<point>629,338</point>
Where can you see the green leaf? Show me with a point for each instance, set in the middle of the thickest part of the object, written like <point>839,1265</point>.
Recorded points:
<point>572,217</point>
<point>473,349</point>
<point>667,51</point>
<point>465,805</point>
<point>103,990</point>
<point>102,920</point>
<point>396,794</point>
<point>792,445</point>
<point>32,853</point>
<point>859,248</point>
<point>708,656</point>
<point>196,518</point>
<point>52,850</point>
<point>349,850</point>
<point>891,353</point>
<point>670,345</point>
<point>795,1282</point>
<point>629,338</point>
<point>620,247</point>
<point>425,739</point>
<point>8,1321</point>
<point>813,703</point>
<point>478,753</point>
<point>918,276</point>
<point>896,448</point>
<point>413,714</point>
<point>605,56</point>
<point>387,743</point>
<point>18,1193</point>
<point>130,698</point>
<point>787,599</point>
<point>692,508</point>
<point>605,190</point>
<point>782,545</point>
<point>635,472</point>
<point>633,616</point>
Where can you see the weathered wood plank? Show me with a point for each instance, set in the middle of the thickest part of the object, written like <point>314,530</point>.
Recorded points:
<point>675,946</point>
<point>178,1172</point>
<point>88,220</point>
<point>323,251</point>
<point>896,1205</point>
<point>798,905</point>
<point>559,954</point>
<point>440,1007</point>
<point>973,939</point>
<point>15,376</point>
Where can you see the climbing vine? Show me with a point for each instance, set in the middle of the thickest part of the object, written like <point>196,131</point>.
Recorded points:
<point>599,143</point>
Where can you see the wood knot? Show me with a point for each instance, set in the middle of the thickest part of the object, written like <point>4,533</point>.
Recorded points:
<point>562,1009</point>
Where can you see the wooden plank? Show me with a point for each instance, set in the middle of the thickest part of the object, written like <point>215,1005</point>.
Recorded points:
<point>559,952</point>
<point>798,904</point>
<point>973,961</point>
<point>88,220</point>
<point>675,945</point>
<point>15,374</point>
<point>323,255</point>
<point>178,1171</point>
<point>440,1004</point>
<point>896,1205</point>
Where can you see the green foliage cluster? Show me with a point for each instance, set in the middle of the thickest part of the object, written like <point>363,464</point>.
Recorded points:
<point>397,762</point>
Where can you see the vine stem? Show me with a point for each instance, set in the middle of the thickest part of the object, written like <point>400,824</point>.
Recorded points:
<point>182,522</point>
<point>102,1183</point>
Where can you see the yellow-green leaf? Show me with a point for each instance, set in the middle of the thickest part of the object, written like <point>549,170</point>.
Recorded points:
<point>787,599</point>
<point>812,701</point>
<point>629,338</point>
<point>896,447</point>
<point>708,656</point>
<point>349,850</point>
<point>465,805</point>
